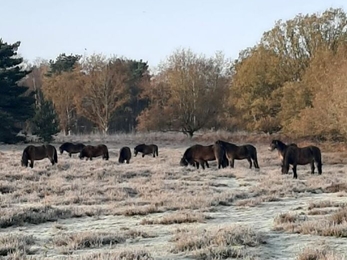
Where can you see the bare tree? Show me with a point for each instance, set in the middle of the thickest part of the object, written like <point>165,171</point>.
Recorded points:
<point>188,93</point>
<point>103,89</point>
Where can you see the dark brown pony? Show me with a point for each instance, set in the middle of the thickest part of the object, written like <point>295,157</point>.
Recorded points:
<point>198,154</point>
<point>146,149</point>
<point>234,152</point>
<point>32,153</point>
<point>90,151</point>
<point>71,148</point>
<point>281,148</point>
<point>124,155</point>
<point>294,155</point>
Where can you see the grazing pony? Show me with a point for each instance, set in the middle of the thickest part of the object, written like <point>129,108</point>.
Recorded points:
<point>294,155</point>
<point>124,155</point>
<point>71,148</point>
<point>198,154</point>
<point>146,149</point>
<point>234,152</point>
<point>90,151</point>
<point>32,153</point>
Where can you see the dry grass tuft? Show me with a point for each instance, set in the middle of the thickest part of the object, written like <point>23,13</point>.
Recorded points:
<point>336,188</point>
<point>124,255</point>
<point>318,254</point>
<point>319,212</point>
<point>285,218</point>
<point>176,218</point>
<point>325,204</point>
<point>219,252</point>
<point>331,225</point>
<point>14,244</point>
<point>83,240</point>
<point>141,211</point>
<point>215,244</point>
<point>6,189</point>
<point>33,215</point>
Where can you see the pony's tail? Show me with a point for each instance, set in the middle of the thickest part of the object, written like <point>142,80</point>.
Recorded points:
<point>55,156</point>
<point>24,158</point>
<point>317,155</point>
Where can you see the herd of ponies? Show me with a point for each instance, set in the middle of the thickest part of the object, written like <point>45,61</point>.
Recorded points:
<point>224,153</point>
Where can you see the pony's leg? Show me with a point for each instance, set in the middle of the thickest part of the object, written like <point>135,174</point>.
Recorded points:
<point>232,162</point>
<point>143,155</point>
<point>153,154</point>
<point>256,165</point>
<point>127,161</point>
<point>70,154</point>
<point>32,163</point>
<point>207,165</point>
<point>197,165</point>
<point>295,176</point>
<point>202,164</point>
<point>312,167</point>
<point>319,166</point>
<point>250,162</point>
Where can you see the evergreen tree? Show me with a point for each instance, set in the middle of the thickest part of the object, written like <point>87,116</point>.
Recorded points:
<point>15,108</point>
<point>125,118</point>
<point>45,121</point>
<point>63,63</point>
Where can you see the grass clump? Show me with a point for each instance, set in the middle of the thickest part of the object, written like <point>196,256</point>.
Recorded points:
<point>176,218</point>
<point>217,244</point>
<point>123,255</point>
<point>85,240</point>
<point>33,215</point>
<point>330,225</point>
<point>14,244</point>
<point>311,253</point>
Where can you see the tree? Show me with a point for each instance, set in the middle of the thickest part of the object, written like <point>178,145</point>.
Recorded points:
<point>267,75</point>
<point>59,86</point>
<point>63,63</point>
<point>103,89</point>
<point>325,118</point>
<point>125,117</point>
<point>255,78</point>
<point>187,95</point>
<point>45,121</point>
<point>62,90</point>
<point>15,108</point>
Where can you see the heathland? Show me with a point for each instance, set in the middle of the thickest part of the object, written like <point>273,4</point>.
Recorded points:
<point>153,208</point>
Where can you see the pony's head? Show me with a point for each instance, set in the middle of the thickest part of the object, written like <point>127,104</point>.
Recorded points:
<point>81,155</point>
<point>184,162</point>
<point>285,168</point>
<point>61,149</point>
<point>274,145</point>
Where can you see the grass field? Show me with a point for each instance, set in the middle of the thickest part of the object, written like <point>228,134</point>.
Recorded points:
<point>153,208</point>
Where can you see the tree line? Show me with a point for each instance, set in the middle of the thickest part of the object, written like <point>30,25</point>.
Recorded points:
<point>293,81</point>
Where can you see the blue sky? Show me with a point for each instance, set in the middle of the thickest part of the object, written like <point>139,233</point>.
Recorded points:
<point>150,30</point>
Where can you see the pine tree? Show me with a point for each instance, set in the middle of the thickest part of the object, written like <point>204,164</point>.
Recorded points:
<point>45,121</point>
<point>15,108</point>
